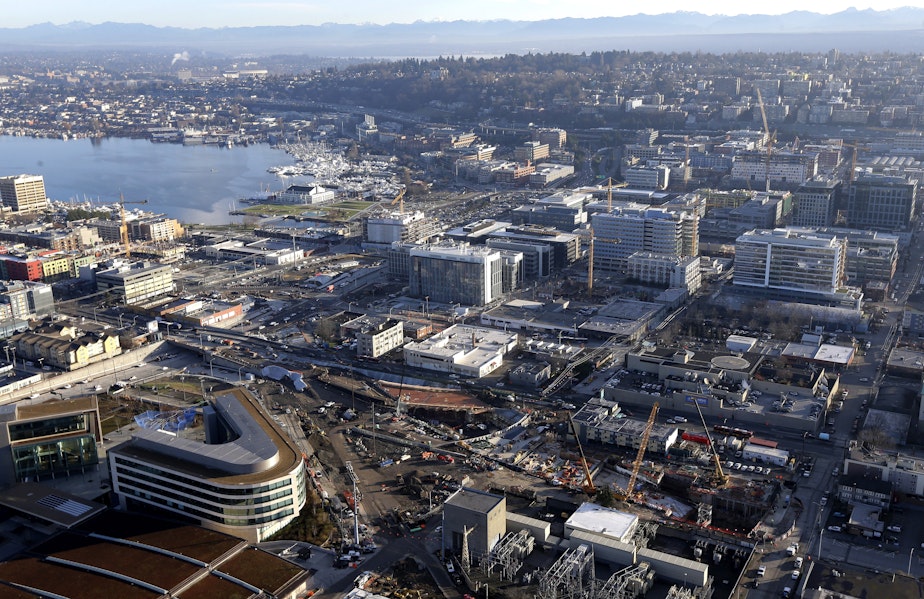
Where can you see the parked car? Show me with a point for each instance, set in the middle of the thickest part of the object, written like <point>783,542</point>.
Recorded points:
<point>835,528</point>
<point>761,570</point>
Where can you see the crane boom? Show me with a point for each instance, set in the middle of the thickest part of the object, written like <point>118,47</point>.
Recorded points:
<point>770,138</point>
<point>719,476</point>
<point>643,446</point>
<point>589,487</point>
<point>399,199</point>
<point>123,227</point>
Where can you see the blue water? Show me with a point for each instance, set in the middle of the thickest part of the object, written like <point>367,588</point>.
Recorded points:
<point>195,184</point>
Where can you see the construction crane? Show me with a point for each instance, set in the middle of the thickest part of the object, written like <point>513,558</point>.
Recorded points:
<point>399,199</point>
<point>588,485</point>
<point>856,147</point>
<point>123,227</point>
<point>609,192</point>
<point>771,138</point>
<point>719,478</point>
<point>590,259</point>
<point>623,495</point>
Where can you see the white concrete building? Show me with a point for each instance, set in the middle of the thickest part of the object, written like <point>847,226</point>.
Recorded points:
<point>625,231</point>
<point>462,349</point>
<point>794,260</point>
<point>666,271</point>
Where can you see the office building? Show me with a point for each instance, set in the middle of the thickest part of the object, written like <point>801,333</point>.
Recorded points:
<point>791,260</point>
<point>375,335</point>
<point>554,138</point>
<point>244,476</point>
<point>814,203</point>
<point>681,272</point>
<point>881,202</point>
<point>562,210</point>
<point>137,282</point>
<point>871,255</point>
<point>647,177</point>
<point>411,227</point>
<point>564,248</point>
<point>462,349</point>
<point>27,300</point>
<point>531,151</point>
<point>41,442</point>
<point>462,274</point>
<point>787,170</point>
<point>625,231</point>
<point>23,193</point>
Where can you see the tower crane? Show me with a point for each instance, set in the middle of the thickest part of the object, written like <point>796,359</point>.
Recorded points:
<point>590,243</point>
<point>609,192</point>
<point>589,487</point>
<point>399,199</point>
<point>624,495</point>
<point>123,227</point>
<point>771,138</point>
<point>590,258</point>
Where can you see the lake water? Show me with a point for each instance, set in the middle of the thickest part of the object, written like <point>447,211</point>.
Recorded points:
<point>195,184</point>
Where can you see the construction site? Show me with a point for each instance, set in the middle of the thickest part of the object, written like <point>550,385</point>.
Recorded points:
<point>626,518</point>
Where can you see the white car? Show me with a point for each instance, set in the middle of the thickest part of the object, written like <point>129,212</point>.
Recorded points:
<point>680,419</point>
<point>796,574</point>
<point>761,570</point>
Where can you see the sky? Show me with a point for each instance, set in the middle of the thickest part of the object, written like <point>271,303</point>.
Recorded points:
<point>238,13</point>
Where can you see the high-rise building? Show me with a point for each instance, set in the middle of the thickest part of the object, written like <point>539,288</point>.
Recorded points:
<point>456,274</point>
<point>625,231</point>
<point>791,260</point>
<point>814,203</point>
<point>23,193</point>
<point>881,202</point>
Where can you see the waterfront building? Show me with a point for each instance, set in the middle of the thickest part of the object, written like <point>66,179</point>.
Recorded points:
<point>23,193</point>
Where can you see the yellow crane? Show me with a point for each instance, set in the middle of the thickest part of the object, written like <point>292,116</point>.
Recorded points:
<point>590,258</point>
<point>399,199</point>
<point>123,227</point>
<point>590,242</point>
<point>589,487</point>
<point>609,192</point>
<point>624,495</point>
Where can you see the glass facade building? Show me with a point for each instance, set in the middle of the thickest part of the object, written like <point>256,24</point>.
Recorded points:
<point>246,478</point>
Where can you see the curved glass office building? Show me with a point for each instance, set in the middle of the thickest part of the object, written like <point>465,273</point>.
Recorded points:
<point>234,471</point>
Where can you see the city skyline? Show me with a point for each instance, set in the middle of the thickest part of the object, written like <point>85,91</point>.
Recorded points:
<point>216,14</point>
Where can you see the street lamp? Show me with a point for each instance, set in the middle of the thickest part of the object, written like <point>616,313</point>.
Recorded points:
<point>821,538</point>
<point>910,555</point>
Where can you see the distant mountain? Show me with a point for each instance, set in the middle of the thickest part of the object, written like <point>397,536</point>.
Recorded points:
<point>898,30</point>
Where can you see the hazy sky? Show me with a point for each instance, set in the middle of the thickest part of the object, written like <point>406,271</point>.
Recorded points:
<point>234,13</point>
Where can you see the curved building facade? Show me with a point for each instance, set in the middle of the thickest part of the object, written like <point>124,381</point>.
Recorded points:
<point>244,477</point>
